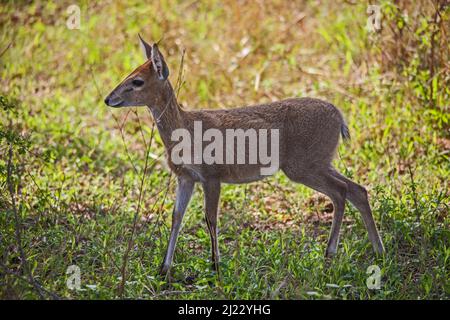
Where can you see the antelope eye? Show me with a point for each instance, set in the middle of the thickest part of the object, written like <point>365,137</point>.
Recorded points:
<point>137,82</point>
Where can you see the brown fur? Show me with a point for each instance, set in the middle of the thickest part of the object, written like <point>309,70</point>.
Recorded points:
<point>309,135</point>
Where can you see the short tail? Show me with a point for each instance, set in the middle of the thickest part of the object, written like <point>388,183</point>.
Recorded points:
<point>344,132</point>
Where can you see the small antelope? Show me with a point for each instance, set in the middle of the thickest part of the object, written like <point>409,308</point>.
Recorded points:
<point>309,131</point>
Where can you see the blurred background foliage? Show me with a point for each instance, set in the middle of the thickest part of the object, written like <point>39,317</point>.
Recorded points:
<point>71,169</point>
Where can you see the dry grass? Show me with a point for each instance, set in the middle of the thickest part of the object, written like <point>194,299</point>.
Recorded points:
<point>81,163</point>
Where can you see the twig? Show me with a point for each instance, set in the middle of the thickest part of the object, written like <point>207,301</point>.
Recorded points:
<point>166,189</point>
<point>135,218</point>
<point>140,128</point>
<point>173,292</point>
<point>120,127</point>
<point>414,192</point>
<point>18,227</point>
<point>178,86</point>
<point>35,283</point>
<point>179,83</point>
<point>123,269</point>
<point>6,49</point>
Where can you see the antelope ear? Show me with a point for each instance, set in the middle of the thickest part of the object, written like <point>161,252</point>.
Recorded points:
<point>158,63</point>
<point>146,48</point>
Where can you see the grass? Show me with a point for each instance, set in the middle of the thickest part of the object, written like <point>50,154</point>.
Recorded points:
<point>76,166</point>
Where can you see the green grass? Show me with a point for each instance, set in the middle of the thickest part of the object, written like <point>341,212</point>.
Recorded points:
<point>76,179</point>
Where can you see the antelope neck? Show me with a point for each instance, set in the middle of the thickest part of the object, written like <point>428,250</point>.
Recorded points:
<point>167,113</point>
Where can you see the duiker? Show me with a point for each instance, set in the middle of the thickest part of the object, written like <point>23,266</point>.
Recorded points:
<point>309,131</point>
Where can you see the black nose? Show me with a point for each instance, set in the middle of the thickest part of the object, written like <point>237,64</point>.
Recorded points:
<point>107,101</point>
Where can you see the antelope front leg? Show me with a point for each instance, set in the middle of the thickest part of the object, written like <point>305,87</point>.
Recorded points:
<point>212,195</point>
<point>184,193</point>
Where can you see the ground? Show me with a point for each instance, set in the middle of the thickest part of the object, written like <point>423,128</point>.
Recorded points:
<point>75,190</point>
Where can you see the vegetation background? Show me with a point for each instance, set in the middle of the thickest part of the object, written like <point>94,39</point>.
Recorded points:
<point>75,188</point>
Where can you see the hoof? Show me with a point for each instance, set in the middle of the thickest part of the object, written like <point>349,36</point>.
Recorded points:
<point>164,270</point>
<point>329,253</point>
<point>216,270</point>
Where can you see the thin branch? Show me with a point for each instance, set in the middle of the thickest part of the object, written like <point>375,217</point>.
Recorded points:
<point>414,192</point>
<point>135,218</point>
<point>180,82</point>
<point>6,49</point>
<point>156,223</point>
<point>178,85</point>
<point>120,127</point>
<point>34,283</point>
<point>18,227</point>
